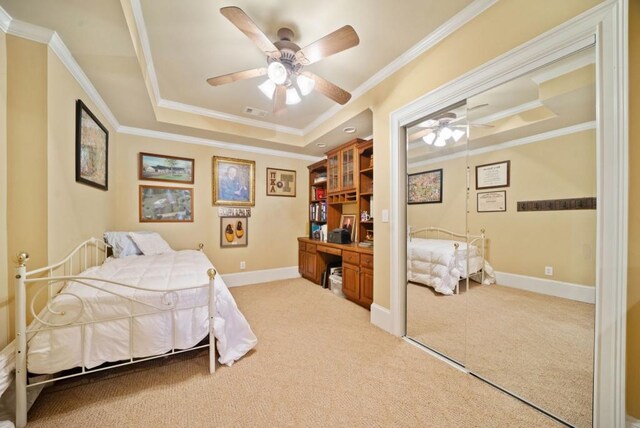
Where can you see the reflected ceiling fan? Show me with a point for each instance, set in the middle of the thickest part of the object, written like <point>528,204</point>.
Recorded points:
<point>444,127</point>
<point>287,81</point>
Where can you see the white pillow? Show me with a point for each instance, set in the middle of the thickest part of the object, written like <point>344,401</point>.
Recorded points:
<point>150,243</point>
<point>121,244</point>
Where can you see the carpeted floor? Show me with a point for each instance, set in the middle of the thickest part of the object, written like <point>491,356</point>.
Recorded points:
<point>319,362</point>
<point>538,347</point>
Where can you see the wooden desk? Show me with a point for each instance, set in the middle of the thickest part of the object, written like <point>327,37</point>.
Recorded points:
<point>357,266</point>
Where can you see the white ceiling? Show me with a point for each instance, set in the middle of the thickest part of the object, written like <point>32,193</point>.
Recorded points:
<point>190,41</point>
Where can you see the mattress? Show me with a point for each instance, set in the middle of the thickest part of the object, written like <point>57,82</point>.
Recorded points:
<point>436,263</point>
<point>172,274</point>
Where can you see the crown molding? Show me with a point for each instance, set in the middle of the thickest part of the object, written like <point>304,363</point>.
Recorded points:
<point>141,29</point>
<point>188,108</point>
<point>509,144</point>
<point>508,112</point>
<point>167,136</point>
<point>38,34</point>
<point>446,29</point>
<point>5,20</point>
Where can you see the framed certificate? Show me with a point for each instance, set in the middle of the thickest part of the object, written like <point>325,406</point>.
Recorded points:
<point>491,202</point>
<point>493,175</point>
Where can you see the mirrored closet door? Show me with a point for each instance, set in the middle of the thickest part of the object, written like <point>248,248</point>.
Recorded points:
<point>521,192</point>
<point>437,224</point>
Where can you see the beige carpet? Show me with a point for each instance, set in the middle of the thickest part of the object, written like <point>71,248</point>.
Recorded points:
<point>319,362</point>
<point>539,347</point>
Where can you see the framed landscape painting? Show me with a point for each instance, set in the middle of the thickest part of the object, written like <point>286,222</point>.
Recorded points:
<point>166,204</point>
<point>233,181</point>
<point>425,187</point>
<point>92,149</point>
<point>165,168</point>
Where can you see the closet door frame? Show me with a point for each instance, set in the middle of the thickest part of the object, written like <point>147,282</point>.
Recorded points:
<point>606,26</point>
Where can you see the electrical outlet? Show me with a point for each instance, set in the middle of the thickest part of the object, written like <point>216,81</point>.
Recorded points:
<point>548,270</point>
<point>242,265</point>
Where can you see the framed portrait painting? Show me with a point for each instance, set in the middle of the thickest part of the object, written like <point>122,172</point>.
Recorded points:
<point>281,182</point>
<point>233,181</point>
<point>92,149</point>
<point>165,168</point>
<point>425,187</point>
<point>166,204</point>
<point>348,221</point>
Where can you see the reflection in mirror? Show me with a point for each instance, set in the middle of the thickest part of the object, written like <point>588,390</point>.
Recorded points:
<point>437,240</point>
<point>532,157</point>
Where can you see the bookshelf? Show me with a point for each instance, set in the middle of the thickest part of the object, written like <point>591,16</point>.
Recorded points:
<point>318,200</point>
<point>365,191</point>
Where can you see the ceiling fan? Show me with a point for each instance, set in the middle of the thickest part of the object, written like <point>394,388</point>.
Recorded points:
<point>444,127</point>
<point>288,82</point>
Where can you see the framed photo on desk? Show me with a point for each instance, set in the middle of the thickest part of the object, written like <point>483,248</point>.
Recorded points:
<point>348,221</point>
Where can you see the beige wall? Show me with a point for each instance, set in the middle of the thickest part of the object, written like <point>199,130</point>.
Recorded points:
<point>524,243</point>
<point>4,290</point>
<point>633,290</point>
<point>274,224</point>
<point>76,211</point>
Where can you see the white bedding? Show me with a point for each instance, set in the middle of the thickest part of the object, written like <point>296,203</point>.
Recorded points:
<point>434,262</point>
<point>52,351</point>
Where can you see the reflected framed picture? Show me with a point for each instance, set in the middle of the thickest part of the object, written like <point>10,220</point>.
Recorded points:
<point>165,168</point>
<point>233,232</point>
<point>281,182</point>
<point>166,204</point>
<point>425,187</point>
<point>492,175</point>
<point>233,181</point>
<point>92,149</point>
<point>492,202</point>
<point>348,221</point>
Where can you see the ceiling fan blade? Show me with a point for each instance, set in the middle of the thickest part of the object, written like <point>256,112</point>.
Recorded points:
<point>341,39</point>
<point>251,30</point>
<point>477,106</point>
<point>481,125</point>
<point>279,99</point>
<point>329,89</point>
<point>419,134</point>
<point>238,75</point>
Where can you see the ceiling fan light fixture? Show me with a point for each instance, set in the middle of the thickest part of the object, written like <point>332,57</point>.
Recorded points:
<point>305,84</point>
<point>440,142</point>
<point>457,134</point>
<point>267,88</point>
<point>292,97</point>
<point>429,138</point>
<point>277,72</point>
<point>446,133</point>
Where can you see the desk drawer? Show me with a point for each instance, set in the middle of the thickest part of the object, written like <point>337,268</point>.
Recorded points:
<point>350,257</point>
<point>311,248</point>
<point>366,261</point>
<point>329,250</point>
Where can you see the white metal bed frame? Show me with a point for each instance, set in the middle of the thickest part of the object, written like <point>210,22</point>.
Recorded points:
<point>469,239</point>
<point>90,253</point>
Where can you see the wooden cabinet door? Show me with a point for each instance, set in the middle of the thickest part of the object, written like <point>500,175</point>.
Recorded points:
<point>310,264</point>
<point>366,286</point>
<point>333,172</point>
<point>302,262</point>
<point>348,168</point>
<point>350,279</point>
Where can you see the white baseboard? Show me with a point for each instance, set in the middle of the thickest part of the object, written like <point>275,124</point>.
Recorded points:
<point>381,317</point>
<point>632,422</point>
<point>257,276</point>
<point>566,290</point>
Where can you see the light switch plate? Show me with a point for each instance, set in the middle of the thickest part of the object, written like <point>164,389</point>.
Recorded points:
<point>385,216</point>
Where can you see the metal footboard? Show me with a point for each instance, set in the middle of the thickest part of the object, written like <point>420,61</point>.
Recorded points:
<point>54,278</point>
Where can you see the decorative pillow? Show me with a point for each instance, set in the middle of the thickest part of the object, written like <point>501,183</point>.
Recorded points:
<point>150,243</point>
<point>121,244</point>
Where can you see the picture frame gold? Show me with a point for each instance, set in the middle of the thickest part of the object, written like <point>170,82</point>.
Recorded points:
<point>233,181</point>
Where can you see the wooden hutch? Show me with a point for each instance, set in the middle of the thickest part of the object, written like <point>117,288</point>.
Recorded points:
<point>341,184</point>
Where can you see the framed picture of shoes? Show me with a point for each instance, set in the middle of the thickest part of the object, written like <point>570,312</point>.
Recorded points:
<point>233,232</point>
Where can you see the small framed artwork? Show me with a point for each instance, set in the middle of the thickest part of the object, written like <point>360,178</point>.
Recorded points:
<point>492,175</point>
<point>425,187</point>
<point>492,202</point>
<point>165,168</point>
<point>92,149</point>
<point>233,232</point>
<point>233,181</point>
<point>234,212</point>
<point>348,221</point>
<point>281,182</point>
<point>166,204</point>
